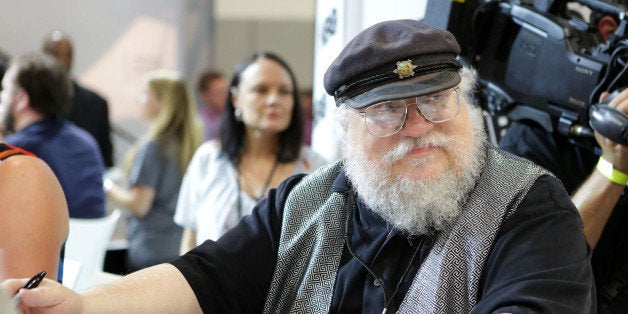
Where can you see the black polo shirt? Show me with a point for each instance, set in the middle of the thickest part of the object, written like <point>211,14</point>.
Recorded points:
<point>539,262</point>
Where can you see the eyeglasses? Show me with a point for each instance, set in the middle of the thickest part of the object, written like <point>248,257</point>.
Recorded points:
<point>388,117</point>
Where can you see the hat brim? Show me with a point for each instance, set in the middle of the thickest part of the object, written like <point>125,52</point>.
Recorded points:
<point>408,88</point>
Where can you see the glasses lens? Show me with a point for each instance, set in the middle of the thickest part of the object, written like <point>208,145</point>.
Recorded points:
<point>385,118</point>
<point>439,107</point>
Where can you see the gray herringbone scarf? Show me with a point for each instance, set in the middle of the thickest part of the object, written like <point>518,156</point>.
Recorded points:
<point>312,240</point>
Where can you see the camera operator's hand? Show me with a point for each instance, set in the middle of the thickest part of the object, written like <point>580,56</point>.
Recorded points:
<point>615,153</point>
<point>598,195</point>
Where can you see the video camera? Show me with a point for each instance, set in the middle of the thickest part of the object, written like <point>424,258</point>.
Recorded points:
<point>538,61</point>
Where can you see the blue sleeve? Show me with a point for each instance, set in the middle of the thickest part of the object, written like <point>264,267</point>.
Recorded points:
<point>233,274</point>
<point>537,263</point>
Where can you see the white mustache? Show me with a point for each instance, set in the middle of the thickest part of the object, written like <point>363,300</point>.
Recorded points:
<point>407,144</point>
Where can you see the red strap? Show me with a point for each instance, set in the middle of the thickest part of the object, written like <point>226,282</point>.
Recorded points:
<point>8,150</point>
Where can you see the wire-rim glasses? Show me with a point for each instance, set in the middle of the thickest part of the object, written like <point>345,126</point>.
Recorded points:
<point>388,117</point>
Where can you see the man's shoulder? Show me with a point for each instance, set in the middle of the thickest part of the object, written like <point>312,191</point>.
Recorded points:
<point>320,183</point>
<point>507,163</point>
<point>15,138</point>
<point>29,138</point>
<point>546,197</point>
<point>80,135</point>
<point>328,172</point>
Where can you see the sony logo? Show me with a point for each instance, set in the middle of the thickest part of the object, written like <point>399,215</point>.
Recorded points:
<point>584,70</point>
<point>576,101</point>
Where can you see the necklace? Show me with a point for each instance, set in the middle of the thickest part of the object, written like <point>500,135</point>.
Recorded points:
<point>271,174</point>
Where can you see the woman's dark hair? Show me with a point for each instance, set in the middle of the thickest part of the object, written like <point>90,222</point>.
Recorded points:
<point>232,131</point>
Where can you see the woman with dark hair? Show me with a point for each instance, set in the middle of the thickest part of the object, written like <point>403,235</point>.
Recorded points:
<point>260,146</point>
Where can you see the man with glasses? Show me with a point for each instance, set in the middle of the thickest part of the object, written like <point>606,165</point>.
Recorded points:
<point>419,216</point>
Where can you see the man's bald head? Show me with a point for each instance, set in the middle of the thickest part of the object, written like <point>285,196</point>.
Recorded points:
<point>59,46</point>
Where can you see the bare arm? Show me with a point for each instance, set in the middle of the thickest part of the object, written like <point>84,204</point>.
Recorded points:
<point>595,200</point>
<point>137,199</point>
<point>157,289</point>
<point>33,218</point>
<point>188,241</point>
<point>597,196</point>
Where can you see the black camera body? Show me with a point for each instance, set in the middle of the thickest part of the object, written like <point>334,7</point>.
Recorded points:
<point>536,62</point>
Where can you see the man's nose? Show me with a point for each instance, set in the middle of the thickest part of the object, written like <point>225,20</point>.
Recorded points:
<point>416,124</point>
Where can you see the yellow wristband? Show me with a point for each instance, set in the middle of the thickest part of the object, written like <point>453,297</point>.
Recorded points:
<point>607,169</point>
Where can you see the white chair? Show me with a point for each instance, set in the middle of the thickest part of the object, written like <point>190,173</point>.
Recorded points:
<point>71,271</point>
<point>87,244</point>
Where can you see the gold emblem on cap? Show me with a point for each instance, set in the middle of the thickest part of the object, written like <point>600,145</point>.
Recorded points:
<point>405,69</point>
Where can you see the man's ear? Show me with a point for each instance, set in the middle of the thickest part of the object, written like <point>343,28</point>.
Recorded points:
<point>607,27</point>
<point>22,100</point>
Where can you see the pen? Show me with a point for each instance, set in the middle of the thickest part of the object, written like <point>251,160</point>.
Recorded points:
<point>31,284</point>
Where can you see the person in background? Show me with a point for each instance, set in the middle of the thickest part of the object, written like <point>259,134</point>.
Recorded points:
<point>33,216</point>
<point>89,110</point>
<point>601,200</point>
<point>260,146</point>
<point>35,100</point>
<point>308,115</point>
<point>212,90</point>
<point>421,215</point>
<point>155,167</point>
<point>606,24</point>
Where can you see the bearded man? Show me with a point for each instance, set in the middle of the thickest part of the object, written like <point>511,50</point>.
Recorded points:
<point>419,216</point>
<point>34,100</point>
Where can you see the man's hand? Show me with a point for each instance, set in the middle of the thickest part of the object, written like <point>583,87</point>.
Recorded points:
<point>615,153</point>
<point>49,297</point>
<point>597,196</point>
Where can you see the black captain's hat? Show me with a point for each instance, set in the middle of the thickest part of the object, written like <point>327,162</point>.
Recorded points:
<point>393,60</point>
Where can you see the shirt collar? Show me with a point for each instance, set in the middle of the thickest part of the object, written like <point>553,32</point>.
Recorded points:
<point>341,183</point>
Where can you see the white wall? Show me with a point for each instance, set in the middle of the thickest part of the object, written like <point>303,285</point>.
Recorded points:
<point>116,41</point>
<point>282,10</point>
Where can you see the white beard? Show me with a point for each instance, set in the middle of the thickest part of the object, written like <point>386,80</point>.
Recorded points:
<point>410,205</point>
